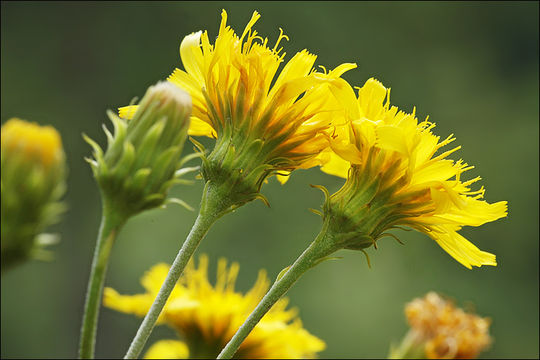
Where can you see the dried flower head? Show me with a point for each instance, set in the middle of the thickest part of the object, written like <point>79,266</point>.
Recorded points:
<point>447,331</point>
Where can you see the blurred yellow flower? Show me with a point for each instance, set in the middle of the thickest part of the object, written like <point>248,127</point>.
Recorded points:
<point>207,316</point>
<point>33,181</point>
<point>238,98</point>
<point>167,349</point>
<point>445,331</point>
<point>396,177</point>
<point>39,144</point>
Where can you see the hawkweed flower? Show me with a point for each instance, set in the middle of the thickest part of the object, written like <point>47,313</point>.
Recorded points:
<point>395,177</point>
<point>399,175</point>
<point>265,123</point>
<point>440,330</point>
<point>206,316</point>
<point>33,181</point>
<point>141,162</point>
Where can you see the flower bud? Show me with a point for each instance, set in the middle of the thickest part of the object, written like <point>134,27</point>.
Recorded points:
<point>142,157</point>
<point>33,180</point>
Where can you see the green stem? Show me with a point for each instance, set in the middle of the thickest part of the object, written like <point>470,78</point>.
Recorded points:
<point>111,222</point>
<point>322,246</point>
<point>411,347</point>
<point>212,208</point>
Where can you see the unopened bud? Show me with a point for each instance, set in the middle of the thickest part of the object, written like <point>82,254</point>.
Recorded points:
<point>139,165</point>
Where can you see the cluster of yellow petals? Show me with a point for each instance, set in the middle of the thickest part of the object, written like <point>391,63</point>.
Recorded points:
<point>37,144</point>
<point>210,315</point>
<point>448,332</point>
<point>235,83</point>
<point>433,195</point>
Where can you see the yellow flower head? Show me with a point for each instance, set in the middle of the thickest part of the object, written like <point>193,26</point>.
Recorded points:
<point>33,180</point>
<point>207,316</point>
<point>397,176</point>
<point>266,122</point>
<point>447,332</point>
<point>41,145</point>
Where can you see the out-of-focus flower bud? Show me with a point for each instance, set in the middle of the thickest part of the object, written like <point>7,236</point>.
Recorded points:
<point>33,180</point>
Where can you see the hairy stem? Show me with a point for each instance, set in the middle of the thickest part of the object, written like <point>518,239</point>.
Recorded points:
<point>212,208</point>
<point>317,250</point>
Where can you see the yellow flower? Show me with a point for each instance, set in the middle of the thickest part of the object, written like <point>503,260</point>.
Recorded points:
<point>207,316</point>
<point>33,180</point>
<point>267,123</point>
<point>397,176</point>
<point>38,144</point>
<point>447,332</point>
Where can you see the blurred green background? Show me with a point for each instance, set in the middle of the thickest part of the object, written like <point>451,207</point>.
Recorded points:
<point>473,67</point>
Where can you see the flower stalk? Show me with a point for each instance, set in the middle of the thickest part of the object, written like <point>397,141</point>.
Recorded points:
<point>134,174</point>
<point>323,245</point>
<point>111,223</point>
<point>410,347</point>
<point>214,204</point>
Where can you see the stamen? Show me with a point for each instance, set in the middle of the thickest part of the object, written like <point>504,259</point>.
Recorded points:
<point>387,103</point>
<point>323,69</point>
<point>281,36</point>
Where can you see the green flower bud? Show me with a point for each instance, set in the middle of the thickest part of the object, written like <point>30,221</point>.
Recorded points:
<point>33,180</point>
<point>142,159</point>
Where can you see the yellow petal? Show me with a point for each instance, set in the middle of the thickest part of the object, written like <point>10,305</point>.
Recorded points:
<point>283,176</point>
<point>336,165</point>
<point>127,112</point>
<point>129,304</point>
<point>371,97</point>
<point>192,56</point>
<point>197,127</point>
<point>298,67</point>
<point>392,138</point>
<point>460,248</point>
<point>153,278</point>
<point>476,212</point>
<point>167,349</point>
<point>441,170</point>
<point>188,83</point>
<point>341,69</point>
